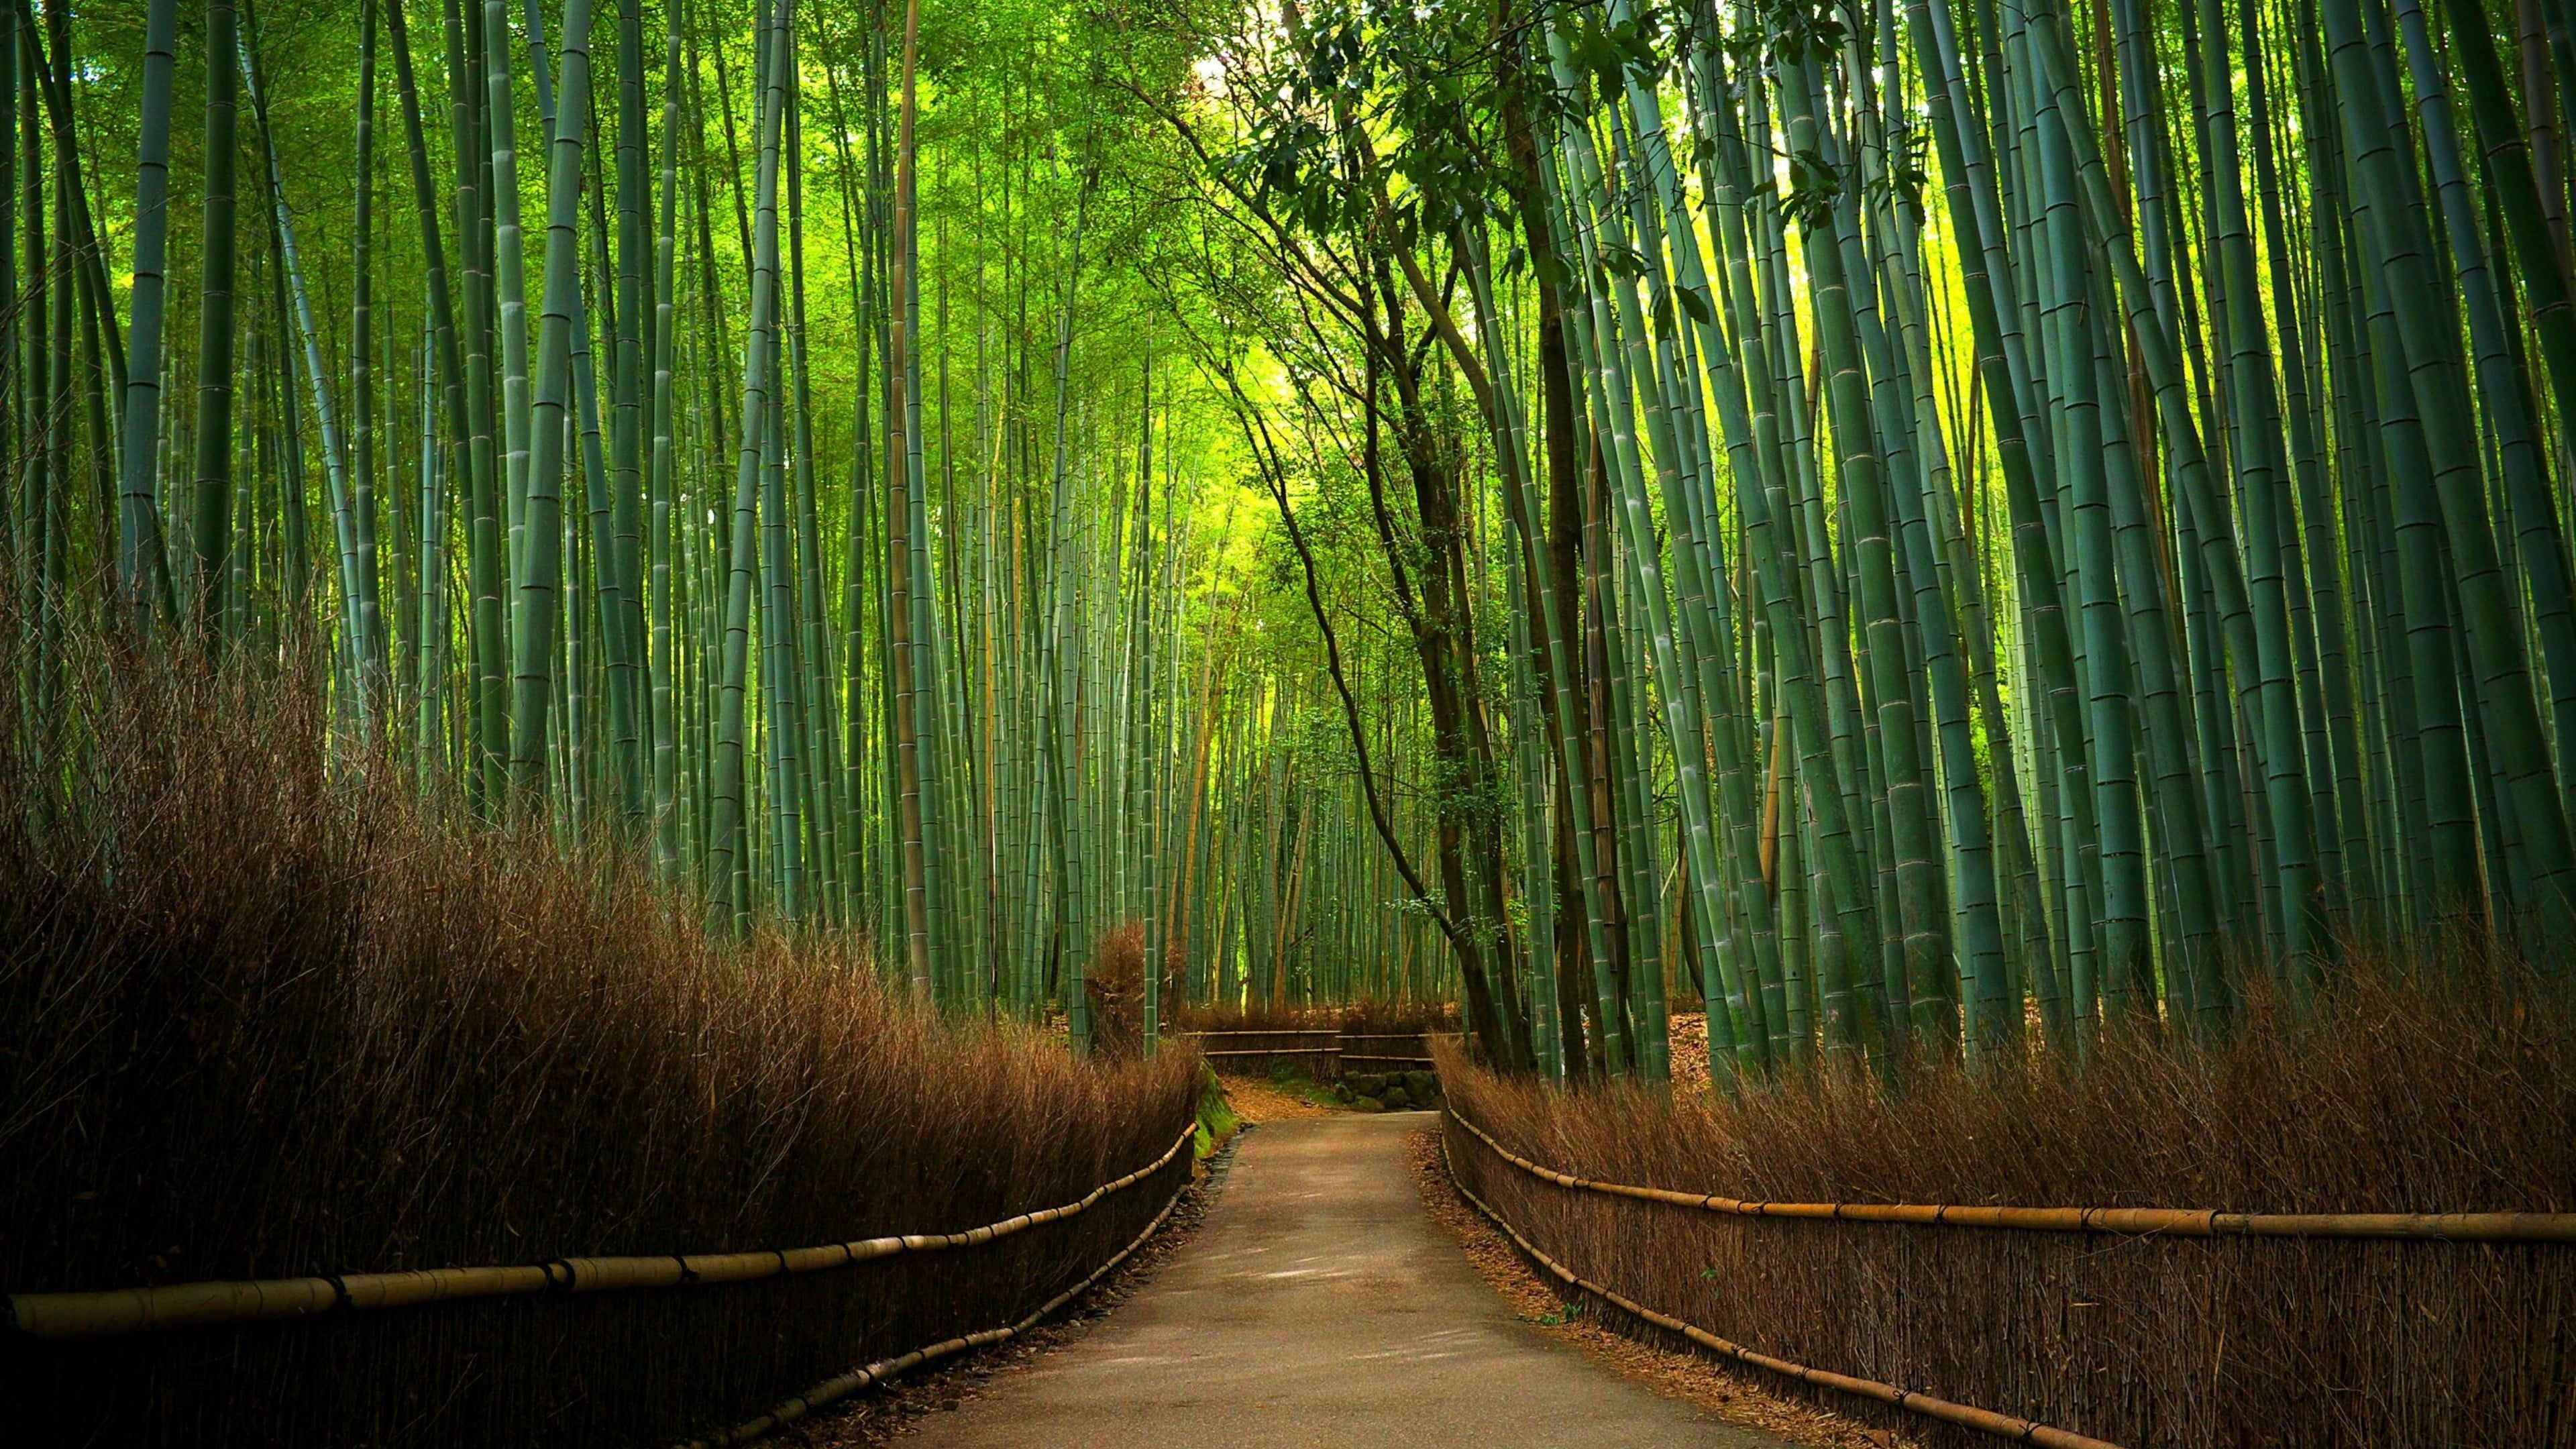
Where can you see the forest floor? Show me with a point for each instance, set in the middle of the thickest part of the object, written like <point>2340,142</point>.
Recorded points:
<point>1279,1098</point>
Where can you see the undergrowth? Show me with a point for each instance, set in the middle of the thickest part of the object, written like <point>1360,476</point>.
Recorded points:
<point>2439,1081</point>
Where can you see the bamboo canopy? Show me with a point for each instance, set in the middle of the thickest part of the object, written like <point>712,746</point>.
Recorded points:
<point>1916,530</point>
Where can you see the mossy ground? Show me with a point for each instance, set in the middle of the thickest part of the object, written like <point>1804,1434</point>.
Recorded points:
<point>1292,1082</point>
<point>1389,1091</point>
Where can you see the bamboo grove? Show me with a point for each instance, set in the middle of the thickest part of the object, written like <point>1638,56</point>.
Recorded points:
<point>1948,527</point>
<point>721,431</point>
<point>1929,528</point>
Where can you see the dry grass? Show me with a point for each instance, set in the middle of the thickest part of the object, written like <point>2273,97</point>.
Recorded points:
<point>2444,1085</point>
<point>1688,1035</point>
<point>261,1014</point>
<point>1115,981</point>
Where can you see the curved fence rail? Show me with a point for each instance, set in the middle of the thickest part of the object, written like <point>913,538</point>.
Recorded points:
<point>832,1390</point>
<point>114,1311</point>
<point>2142,1325</point>
<point>2499,1227</point>
<point>1329,1052</point>
<point>1984,1421</point>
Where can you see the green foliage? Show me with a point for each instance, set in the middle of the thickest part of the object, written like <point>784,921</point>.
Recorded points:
<point>1217,1122</point>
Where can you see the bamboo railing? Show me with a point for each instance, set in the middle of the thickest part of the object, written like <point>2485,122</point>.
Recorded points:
<point>1369,1051</point>
<point>1331,1051</point>
<point>2496,1227</point>
<point>1984,1421</point>
<point>1321,1045</point>
<point>108,1312</point>
<point>832,1390</point>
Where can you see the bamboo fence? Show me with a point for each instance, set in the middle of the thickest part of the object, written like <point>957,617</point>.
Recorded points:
<point>1318,1050</point>
<point>1328,1052</point>
<point>113,1311</point>
<point>1984,1421</point>
<point>2181,1327</point>
<point>2497,1227</point>
<point>834,1389</point>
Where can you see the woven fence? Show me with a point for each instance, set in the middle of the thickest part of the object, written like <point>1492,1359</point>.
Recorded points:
<point>2183,1329</point>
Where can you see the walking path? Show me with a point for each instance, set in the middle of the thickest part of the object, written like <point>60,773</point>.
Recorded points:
<point>1319,1307</point>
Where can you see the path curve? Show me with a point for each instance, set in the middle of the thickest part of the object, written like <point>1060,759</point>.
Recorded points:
<point>1319,1307</point>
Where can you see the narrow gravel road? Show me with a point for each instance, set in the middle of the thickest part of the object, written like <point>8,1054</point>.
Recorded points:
<point>1319,1307</point>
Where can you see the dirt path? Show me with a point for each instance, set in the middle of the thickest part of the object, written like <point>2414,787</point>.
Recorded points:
<point>1319,1307</point>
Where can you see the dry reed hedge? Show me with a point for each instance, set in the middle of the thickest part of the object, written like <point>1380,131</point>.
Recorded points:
<point>261,1015</point>
<point>2443,1086</point>
<point>1115,981</point>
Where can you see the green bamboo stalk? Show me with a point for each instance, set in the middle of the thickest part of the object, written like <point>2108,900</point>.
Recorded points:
<point>488,567</point>
<point>726,864</point>
<point>361,648</point>
<point>142,565</point>
<point>535,612</point>
<point>214,424</point>
<point>903,583</point>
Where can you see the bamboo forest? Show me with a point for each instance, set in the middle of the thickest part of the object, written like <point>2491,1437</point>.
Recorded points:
<point>1279,706</point>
